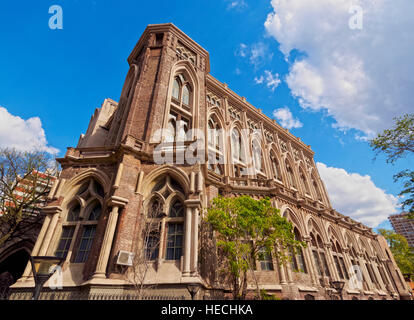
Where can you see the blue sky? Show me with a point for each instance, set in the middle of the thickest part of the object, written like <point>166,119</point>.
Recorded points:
<point>58,77</point>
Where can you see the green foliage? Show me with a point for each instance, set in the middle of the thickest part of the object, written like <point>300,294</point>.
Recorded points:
<point>246,227</point>
<point>265,296</point>
<point>396,143</point>
<point>402,252</point>
<point>407,193</point>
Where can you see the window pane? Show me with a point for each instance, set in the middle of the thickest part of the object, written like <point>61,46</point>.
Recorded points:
<point>186,96</point>
<point>338,267</point>
<point>176,89</point>
<point>341,260</point>
<point>65,241</point>
<point>95,213</point>
<point>317,262</point>
<point>301,262</point>
<point>85,245</point>
<point>265,259</point>
<point>177,210</point>
<point>325,264</point>
<point>152,247</point>
<point>174,241</point>
<point>73,214</point>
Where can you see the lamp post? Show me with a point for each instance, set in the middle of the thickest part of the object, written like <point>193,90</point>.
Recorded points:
<point>193,289</point>
<point>43,268</point>
<point>339,286</point>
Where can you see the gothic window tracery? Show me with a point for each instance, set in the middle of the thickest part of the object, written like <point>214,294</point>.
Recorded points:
<point>166,208</point>
<point>78,230</point>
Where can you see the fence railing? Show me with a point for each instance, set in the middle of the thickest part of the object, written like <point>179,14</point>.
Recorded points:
<point>74,295</point>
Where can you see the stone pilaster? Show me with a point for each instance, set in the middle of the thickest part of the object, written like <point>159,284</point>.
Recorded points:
<point>116,203</point>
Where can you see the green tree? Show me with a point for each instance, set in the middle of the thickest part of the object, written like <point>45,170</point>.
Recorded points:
<point>246,229</point>
<point>397,143</point>
<point>402,252</point>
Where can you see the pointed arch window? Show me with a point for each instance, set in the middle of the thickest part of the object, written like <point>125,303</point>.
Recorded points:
<point>78,231</point>
<point>257,156</point>
<point>176,89</point>
<point>275,167</point>
<point>237,153</point>
<point>339,260</point>
<point>316,188</point>
<point>319,256</point>
<point>180,115</point>
<point>181,92</point>
<point>297,258</point>
<point>166,197</point>
<point>304,182</point>
<point>291,176</point>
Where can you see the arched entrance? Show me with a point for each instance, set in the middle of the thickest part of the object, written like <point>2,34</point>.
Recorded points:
<point>12,268</point>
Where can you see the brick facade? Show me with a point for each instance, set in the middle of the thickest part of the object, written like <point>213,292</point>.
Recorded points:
<point>118,153</point>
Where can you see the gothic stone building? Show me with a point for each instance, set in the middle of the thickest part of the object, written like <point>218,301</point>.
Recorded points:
<point>112,182</point>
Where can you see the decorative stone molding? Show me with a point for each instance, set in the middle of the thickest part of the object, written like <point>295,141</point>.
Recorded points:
<point>117,201</point>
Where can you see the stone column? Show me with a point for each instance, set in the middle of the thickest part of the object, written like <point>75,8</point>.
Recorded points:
<point>187,239</point>
<point>161,246</point>
<point>36,248</point>
<point>115,203</point>
<point>54,213</point>
<point>194,253</point>
<point>289,272</point>
<point>364,271</point>
<point>282,274</point>
<point>378,276</point>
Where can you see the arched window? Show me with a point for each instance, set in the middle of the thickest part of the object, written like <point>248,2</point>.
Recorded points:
<point>339,260</point>
<point>215,152</point>
<point>297,258</point>
<point>237,145</point>
<point>78,231</point>
<point>237,152</point>
<point>316,187</point>
<point>257,156</point>
<point>180,110</point>
<point>319,256</point>
<point>304,182</point>
<point>275,167</point>
<point>166,197</point>
<point>291,175</point>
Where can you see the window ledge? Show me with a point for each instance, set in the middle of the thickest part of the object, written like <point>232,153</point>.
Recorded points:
<point>308,289</point>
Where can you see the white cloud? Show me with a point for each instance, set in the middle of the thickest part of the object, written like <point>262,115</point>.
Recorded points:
<point>242,50</point>
<point>363,78</point>
<point>272,80</point>
<point>21,134</point>
<point>357,196</point>
<point>236,4</point>
<point>258,53</point>
<point>286,118</point>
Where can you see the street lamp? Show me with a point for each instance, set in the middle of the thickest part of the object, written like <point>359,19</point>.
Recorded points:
<point>338,286</point>
<point>43,268</point>
<point>193,289</point>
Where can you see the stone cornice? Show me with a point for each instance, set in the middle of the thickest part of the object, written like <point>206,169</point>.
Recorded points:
<point>51,210</point>
<point>117,201</point>
<point>258,114</point>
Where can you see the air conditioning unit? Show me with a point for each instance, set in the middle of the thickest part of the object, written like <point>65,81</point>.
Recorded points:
<point>125,258</point>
